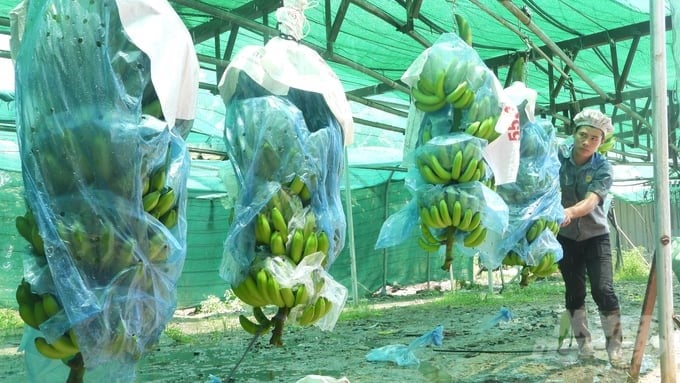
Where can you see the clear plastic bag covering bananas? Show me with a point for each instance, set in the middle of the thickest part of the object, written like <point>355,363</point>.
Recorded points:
<point>474,214</point>
<point>105,188</point>
<point>287,154</point>
<point>534,200</point>
<point>452,91</point>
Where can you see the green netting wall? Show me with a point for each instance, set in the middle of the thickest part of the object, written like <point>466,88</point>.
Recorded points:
<point>208,216</point>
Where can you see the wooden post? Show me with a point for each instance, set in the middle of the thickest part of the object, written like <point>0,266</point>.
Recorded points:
<point>645,320</point>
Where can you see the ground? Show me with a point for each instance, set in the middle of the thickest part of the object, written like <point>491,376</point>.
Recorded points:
<point>521,350</point>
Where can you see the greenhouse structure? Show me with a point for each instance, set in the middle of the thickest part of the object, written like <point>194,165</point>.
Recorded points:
<point>95,93</point>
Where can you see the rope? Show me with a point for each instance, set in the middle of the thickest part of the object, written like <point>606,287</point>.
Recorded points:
<point>292,22</point>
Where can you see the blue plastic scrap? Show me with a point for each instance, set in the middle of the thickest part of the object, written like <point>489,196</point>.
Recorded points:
<point>503,315</point>
<point>403,355</point>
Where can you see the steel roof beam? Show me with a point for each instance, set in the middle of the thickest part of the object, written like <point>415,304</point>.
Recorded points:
<point>207,30</point>
<point>586,42</point>
<point>398,25</point>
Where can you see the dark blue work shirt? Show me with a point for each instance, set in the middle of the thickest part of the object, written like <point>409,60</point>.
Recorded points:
<point>575,182</point>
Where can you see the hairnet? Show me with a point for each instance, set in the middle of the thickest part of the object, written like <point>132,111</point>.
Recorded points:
<point>595,119</point>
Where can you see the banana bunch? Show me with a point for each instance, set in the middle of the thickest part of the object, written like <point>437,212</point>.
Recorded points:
<point>260,326</point>
<point>546,266</point>
<point>485,129</point>
<point>450,164</point>
<point>513,259</point>
<point>313,312</point>
<point>608,144</point>
<point>90,160</point>
<point>35,309</point>
<point>272,230</point>
<point>454,210</point>
<point>485,105</point>
<point>429,96</point>
<point>429,241</point>
<point>28,229</point>
<point>159,199</point>
<point>462,96</point>
<point>261,288</point>
<point>297,186</point>
<point>539,226</point>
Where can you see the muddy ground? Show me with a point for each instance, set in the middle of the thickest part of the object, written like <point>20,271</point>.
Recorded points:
<point>522,350</point>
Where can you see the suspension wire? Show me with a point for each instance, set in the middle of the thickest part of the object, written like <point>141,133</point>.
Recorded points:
<point>536,8</point>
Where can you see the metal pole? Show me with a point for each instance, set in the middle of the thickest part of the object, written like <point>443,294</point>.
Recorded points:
<point>521,16</point>
<point>350,231</point>
<point>560,53</point>
<point>663,220</point>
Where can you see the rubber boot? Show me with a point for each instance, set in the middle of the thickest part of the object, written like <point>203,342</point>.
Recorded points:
<point>579,325</point>
<point>611,325</point>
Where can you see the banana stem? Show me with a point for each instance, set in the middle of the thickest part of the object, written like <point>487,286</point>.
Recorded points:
<point>77,373</point>
<point>279,319</point>
<point>448,254</point>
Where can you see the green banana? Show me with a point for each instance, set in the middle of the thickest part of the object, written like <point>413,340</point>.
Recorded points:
<point>274,291</point>
<point>158,178</point>
<point>436,217</point>
<point>23,226</point>
<point>263,231</point>
<point>50,304</point>
<point>473,128</point>
<point>288,296</point>
<point>425,86</point>
<point>39,312</point>
<point>297,244</point>
<point>429,176</point>
<point>457,165</point>
<point>444,212</point>
<point>276,244</point>
<point>429,247</point>
<point>429,108</point>
<point>311,245</point>
<point>252,327</point>
<point>307,316</point>
<point>296,185</point>
<point>150,200</point>
<point>466,220</point>
<point>438,169</point>
<point>261,280</point>
<point>469,171</point>
<point>279,222</point>
<point>260,316</point>
<point>425,217</point>
<point>423,98</point>
<point>324,244</point>
<point>465,100</point>
<point>50,351</point>
<point>310,224</point>
<point>476,220</point>
<point>165,202</point>
<point>476,237</point>
<point>457,93</point>
<point>170,219</point>
<point>456,214</point>
<point>301,295</point>
<point>27,315</point>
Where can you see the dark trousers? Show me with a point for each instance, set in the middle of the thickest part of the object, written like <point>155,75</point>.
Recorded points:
<point>593,258</point>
